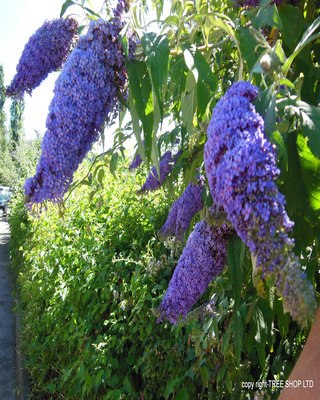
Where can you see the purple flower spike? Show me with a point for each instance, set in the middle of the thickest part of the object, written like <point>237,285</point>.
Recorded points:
<point>153,182</point>
<point>136,162</point>
<point>183,210</point>
<point>45,52</point>
<point>241,169</point>
<point>85,95</point>
<point>202,259</point>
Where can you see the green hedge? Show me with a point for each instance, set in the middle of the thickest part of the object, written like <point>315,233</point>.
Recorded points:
<point>88,281</point>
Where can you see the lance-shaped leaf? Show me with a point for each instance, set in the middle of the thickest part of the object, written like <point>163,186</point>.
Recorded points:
<point>156,49</point>
<point>141,89</point>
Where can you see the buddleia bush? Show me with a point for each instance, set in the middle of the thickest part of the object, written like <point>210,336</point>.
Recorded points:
<point>238,82</point>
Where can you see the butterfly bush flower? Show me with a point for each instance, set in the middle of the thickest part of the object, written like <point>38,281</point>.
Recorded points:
<point>202,259</point>
<point>241,169</point>
<point>85,95</point>
<point>136,162</point>
<point>183,210</point>
<point>45,52</point>
<point>153,182</point>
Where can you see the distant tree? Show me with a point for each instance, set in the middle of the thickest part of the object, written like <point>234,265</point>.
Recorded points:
<point>18,156</point>
<point>3,130</point>
<point>16,122</point>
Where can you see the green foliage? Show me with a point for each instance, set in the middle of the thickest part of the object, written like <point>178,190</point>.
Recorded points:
<point>3,133</point>
<point>16,122</point>
<point>16,166</point>
<point>88,282</point>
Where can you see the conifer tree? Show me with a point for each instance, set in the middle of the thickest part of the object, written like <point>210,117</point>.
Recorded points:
<point>16,122</point>
<point>3,138</point>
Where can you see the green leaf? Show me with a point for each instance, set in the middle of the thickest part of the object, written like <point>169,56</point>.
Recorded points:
<point>267,16</point>
<point>136,127</point>
<point>155,157</point>
<point>171,20</point>
<point>307,38</point>
<point>141,89</point>
<point>221,373</point>
<point>204,70</point>
<point>169,388</point>
<point>278,50</point>
<point>260,335</point>
<point>113,163</point>
<point>268,318</point>
<point>206,81</point>
<point>293,25</point>
<point>214,21</point>
<point>65,6</point>
<point>270,118</point>
<point>310,169</point>
<point>127,387</point>
<point>277,139</point>
<point>189,102</point>
<point>204,376</point>
<point>101,175</point>
<point>189,60</point>
<point>226,340</point>
<point>263,100</point>
<point>310,122</point>
<point>156,49</point>
<point>237,335</point>
<point>92,12</point>
<point>182,394</point>
<point>283,318</point>
<point>260,325</point>
<point>247,46</point>
<point>235,256</point>
<point>286,82</point>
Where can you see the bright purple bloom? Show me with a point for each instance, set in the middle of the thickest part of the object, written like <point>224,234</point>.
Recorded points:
<point>241,169</point>
<point>136,162</point>
<point>46,51</point>
<point>85,95</point>
<point>183,210</point>
<point>202,260</point>
<point>153,182</point>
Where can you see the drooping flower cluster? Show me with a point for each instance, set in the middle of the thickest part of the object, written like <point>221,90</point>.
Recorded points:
<point>153,182</point>
<point>85,95</point>
<point>241,170</point>
<point>136,162</point>
<point>45,52</point>
<point>202,259</point>
<point>183,210</point>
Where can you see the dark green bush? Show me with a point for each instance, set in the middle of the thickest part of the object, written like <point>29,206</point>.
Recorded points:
<point>88,281</point>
